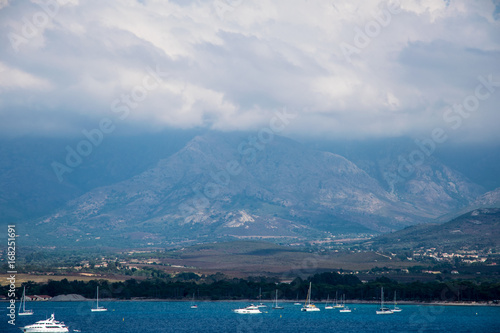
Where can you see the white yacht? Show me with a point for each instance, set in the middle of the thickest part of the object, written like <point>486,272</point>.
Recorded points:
<point>383,309</point>
<point>46,326</point>
<point>98,308</point>
<point>251,309</point>
<point>308,307</point>
<point>22,306</point>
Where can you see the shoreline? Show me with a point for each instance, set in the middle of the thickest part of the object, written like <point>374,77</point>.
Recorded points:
<point>270,302</point>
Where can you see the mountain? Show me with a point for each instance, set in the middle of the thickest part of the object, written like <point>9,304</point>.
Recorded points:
<point>489,199</point>
<point>413,173</point>
<point>233,185</point>
<point>29,188</point>
<point>478,229</point>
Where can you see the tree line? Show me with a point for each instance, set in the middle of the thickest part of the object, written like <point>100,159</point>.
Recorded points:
<point>221,287</point>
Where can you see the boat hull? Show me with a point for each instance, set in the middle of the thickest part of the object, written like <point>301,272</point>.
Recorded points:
<point>25,313</point>
<point>46,326</point>
<point>245,311</point>
<point>252,309</point>
<point>44,330</point>
<point>309,309</point>
<point>99,310</point>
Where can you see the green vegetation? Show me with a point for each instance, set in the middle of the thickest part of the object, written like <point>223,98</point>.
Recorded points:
<point>220,287</point>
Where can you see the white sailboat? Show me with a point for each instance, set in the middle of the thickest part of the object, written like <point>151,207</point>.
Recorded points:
<point>297,301</point>
<point>98,308</point>
<point>337,305</point>
<point>261,305</point>
<point>383,310</point>
<point>345,309</point>
<point>276,307</point>
<point>395,308</point>
<point>308,307</point>
<point>22,310</point>
<point>328,307</point>
<point>193,305</point>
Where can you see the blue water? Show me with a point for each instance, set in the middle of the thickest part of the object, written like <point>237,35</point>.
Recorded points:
<point>217,317</point>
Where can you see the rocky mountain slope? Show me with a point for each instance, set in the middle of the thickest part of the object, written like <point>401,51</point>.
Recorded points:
<point>234,185</point>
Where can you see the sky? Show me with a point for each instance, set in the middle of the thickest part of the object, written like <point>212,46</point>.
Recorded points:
<point>352,69</point>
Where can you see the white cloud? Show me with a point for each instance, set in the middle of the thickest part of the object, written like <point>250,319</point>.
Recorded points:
<point>12,78</point>
<point>232,71</point>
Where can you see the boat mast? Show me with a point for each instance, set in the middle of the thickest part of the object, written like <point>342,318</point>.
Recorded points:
<point>382,298</point>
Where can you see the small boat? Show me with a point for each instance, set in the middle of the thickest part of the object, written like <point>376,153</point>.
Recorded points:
<point>345,309</point>
<point>383,309</point>
<point>395,308</point>
<point>22,310</point>
<point>328,307</point>
<point>276,307</point>
<point>297,301</point>
<point>193,305</point>
<point>337,305</point>
<point>49,325</point>
<point>98,308</point>
<point>309,307</point>
<point>251,309</point>
<point>261,305</point>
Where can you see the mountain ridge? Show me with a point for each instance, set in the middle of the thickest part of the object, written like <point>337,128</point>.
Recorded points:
<point>283,189</point>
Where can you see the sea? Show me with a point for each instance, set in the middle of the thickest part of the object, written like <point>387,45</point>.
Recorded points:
<point>217,317</point>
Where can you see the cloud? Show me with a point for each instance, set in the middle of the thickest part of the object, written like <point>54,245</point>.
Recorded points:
<point>231,67</point>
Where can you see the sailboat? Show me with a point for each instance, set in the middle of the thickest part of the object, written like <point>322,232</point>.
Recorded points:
<point>261,305</point>
<point>383,310</point>
<point>344,308</point>
<point>276,307</point>
<point>337,305</point>
<point>328,307</point>
<point>98,308</point>
<point>395,308</point>
<point>22,311</point>
<point>308,307</point>
<point>193,305</point>
<point>297,301</point>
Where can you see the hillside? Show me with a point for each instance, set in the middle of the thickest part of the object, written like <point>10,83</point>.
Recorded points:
<point>475,230</point>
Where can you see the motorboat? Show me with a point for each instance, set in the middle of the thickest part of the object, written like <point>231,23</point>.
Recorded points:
<point>49,325</point>
<point>251,309</point>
